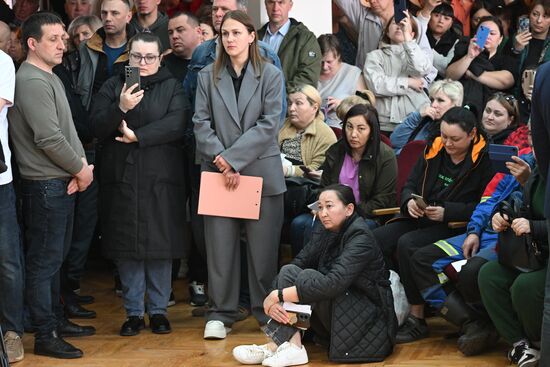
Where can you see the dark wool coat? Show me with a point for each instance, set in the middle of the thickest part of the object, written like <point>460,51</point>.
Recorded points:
<point>142,190</point>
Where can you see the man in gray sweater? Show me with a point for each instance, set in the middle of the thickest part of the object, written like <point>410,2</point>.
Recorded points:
<point>53,166</point>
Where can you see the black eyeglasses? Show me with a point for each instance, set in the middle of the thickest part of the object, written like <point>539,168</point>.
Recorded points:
<point>149,59</point>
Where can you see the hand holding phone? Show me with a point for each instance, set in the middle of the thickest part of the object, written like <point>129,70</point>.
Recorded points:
<point>419,200</point>
<point>399,7</point>
<point>482,35</point>
<point>500,154</point>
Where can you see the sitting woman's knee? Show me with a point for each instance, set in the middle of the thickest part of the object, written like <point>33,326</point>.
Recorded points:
<point>467,279</point>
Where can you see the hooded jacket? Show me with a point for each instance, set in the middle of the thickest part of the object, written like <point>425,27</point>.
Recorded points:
<point>387,71</point>
<point>142,184</point>
<point>159,28</point>
<point>459,198</point>
<point>300,54</point>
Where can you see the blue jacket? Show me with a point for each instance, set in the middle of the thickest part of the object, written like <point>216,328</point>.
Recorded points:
<point>402,133</point>
<point>481,217</point>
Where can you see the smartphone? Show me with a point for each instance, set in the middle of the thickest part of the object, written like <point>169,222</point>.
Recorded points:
<point>399,7</point>
<point>523,24</point>
<point>305,169</point>
<point>132,77</point>
<point>481,36</point>
<point>419,200</point>
<point>500,154</point>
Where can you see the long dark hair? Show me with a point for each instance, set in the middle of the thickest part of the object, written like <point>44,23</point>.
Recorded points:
<point>371,116</point>
<point>253,53</point>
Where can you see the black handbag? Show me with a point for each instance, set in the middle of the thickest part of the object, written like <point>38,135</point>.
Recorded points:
<point>4,361</point>
<point>300,191</point>
<point>517,252</point>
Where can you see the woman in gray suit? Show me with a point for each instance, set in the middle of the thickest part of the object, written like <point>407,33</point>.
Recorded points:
<point>238,104</point>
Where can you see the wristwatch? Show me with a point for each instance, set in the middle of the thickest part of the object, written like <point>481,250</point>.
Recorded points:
<point>280,295</point>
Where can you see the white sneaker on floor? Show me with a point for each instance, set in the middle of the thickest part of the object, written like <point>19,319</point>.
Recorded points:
<point>251,354</point>
<point>215,329</point>
<point>14,347</point>
<point>287,354</point>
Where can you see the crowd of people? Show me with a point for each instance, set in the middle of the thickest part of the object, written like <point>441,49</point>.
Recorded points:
<point>376,148</point>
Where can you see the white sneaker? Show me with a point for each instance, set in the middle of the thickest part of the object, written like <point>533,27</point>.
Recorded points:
<point>287,354</point>
<point>215,329</point>
<point>251,354</point>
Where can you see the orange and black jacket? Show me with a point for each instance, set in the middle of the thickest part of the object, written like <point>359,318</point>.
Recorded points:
<point>459,198</point>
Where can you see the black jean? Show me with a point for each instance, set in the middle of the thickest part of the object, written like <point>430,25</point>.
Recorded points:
<point>48,214</point>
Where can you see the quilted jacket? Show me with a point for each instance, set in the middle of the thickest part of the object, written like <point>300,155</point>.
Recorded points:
<point>351,273</point>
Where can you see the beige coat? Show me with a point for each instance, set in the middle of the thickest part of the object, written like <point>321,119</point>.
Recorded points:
<point>318,137</point>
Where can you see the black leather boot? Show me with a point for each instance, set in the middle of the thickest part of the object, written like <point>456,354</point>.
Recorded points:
<point>65,328</point>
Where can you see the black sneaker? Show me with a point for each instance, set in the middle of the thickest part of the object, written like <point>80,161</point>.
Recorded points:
<point>54,346</point>
<point>118,286</point>
<point>523,355</point>
<point>413,329</point>
<point>172,300</point>
<point>132,326</point>
<point>197,295</point>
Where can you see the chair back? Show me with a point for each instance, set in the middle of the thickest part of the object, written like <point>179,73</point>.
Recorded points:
<point>405,161</point>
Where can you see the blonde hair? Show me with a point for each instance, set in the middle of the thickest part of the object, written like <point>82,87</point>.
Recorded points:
<point>451,88</point>
<point>348,102</point>
<point>312,94</point>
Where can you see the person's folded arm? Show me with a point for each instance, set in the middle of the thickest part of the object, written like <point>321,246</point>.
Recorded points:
<point>498,79</point>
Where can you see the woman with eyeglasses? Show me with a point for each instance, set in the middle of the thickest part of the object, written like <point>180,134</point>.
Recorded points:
<point>483,69</point>
<point>142,190</point>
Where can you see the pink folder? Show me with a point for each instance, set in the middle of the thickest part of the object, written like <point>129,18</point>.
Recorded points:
<point>216,200</point>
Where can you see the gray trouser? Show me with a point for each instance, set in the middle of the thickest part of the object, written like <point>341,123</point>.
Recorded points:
<point>322,310</point>
<point>222,236</point>
<point>545,337</point>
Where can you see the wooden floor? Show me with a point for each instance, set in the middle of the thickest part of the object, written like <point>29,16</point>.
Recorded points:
<point>186,347</point>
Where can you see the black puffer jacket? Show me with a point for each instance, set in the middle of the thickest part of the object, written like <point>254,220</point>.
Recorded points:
<point>142,185</point>
<point>354,277</point>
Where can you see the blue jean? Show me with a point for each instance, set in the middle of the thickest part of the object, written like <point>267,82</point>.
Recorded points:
<point>545,337</point>
<point>138,277</point>
<point>48,214</point>
<point>11,264</point>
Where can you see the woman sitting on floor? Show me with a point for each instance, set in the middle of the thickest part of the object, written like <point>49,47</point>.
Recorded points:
<point>341,274</point>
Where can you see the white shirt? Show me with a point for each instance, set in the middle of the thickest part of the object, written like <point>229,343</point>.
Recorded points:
<point>7,89</point>
<point>275,39</point>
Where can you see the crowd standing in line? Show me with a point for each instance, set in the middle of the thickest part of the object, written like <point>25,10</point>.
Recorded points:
<point>86,158</point>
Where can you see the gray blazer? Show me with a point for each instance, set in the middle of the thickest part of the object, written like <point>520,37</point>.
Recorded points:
<point>244,133</point>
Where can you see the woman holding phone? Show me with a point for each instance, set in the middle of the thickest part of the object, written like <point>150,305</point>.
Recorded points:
<point>480,66</point>
<point>236,122</point>
<point>531,45</point>
<point>449,177</point>
<point>141,201</point>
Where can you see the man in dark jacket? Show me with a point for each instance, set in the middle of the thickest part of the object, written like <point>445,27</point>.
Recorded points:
<point>294,43</point>
<point>540,125</point>
<point>149,19</point>
<point>105,54</point>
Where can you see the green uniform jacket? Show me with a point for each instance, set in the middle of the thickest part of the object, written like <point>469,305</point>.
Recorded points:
<point>300,55</point>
